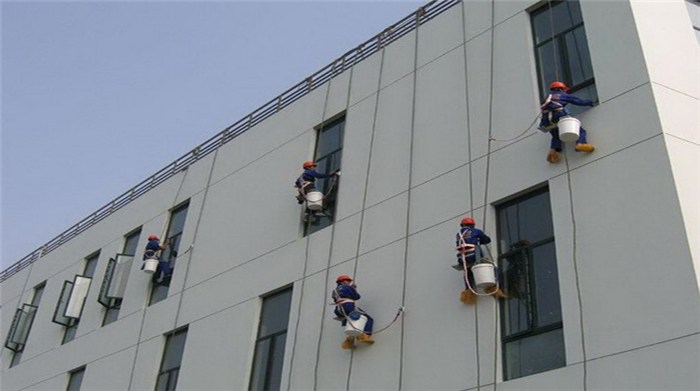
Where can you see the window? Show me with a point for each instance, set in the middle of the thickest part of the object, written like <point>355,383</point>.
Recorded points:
<point>269,347</point>
<point>329,150</point>
<point>75,379</point>
<point>561,49</point>
<point>88,273</point>
<point>694,12</point>
<point>172,358</point>
<point>22,325</point>
<point>531,321</point>
<point>174,237</point>
<point>113,306</point>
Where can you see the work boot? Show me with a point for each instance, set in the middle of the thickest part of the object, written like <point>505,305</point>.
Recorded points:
<point>553,156</point>
<point>349,343</point>
<point>467,297</point>
<point>365,338</point>
<point>584,148</point>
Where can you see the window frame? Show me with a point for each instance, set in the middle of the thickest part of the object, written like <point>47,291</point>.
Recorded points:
<point>159,291</point>
<point>71,377</point>
<point>272,338</point>
<point>323,222</point>
<point>36,300</point>
<point>534,328</point>
<point>164,359</point>
<point>559,48</point>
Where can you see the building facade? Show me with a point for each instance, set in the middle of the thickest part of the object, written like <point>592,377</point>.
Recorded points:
<point>431,120</point>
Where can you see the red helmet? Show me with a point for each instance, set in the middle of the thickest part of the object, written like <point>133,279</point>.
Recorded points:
<point>342,278</point>
<point>467,221</point>
<point>153,237</point>
<point>558,84</point>
<point>308,164</point>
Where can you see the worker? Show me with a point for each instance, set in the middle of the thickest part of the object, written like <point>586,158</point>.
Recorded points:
<point>553,109</point>
<point>153,251</point>
<point>469,240</point>
<point>344,296</point>
<point>307,182</point>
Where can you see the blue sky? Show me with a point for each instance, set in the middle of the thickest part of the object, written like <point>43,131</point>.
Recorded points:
<point>96,96</point>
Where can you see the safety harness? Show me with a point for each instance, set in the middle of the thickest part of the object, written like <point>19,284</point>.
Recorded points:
<point>549,107</point>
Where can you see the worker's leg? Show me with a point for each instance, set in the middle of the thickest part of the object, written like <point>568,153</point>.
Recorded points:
<point>581,144</point>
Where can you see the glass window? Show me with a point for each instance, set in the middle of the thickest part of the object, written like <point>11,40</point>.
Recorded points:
<point>694,13</point>
<point>172,358</point>
<point>175,229</point>
<point>131,242</point>
<point>75,379</point>
<point>561,50</point>
<point>269,346</point>
<point>329,151</point>
<point>34,306</point>
<point>88,271</point>
<point>531,318</point>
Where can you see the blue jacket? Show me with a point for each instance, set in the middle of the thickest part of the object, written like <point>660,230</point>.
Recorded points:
<point>344,292</point>
<point>473,236</point>
<point>309,176</point>
<point>151,249</point>
<point>557,101</point>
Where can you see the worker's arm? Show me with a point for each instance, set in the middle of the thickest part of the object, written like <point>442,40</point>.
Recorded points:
<point>576,100</point>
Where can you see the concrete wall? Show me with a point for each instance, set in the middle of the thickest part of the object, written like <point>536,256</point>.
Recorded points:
<point>416,159</point>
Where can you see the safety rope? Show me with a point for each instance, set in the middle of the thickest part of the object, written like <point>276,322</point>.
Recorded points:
<point>576,274</point>
<point>306,264</point>
<point>519,134</point>
<point>145,304</point>
<point>471,176</point>
<point>419,14</point>
<point>486,187</point>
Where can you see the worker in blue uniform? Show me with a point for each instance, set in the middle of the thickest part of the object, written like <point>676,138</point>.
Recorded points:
<point>553,109</point>
<point>306,183</point>
<point>344,296</point>
<point>153,250</point>
<point>307,180</point>
<point>469,240</point>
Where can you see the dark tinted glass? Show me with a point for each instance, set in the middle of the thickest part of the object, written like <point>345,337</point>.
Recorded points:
<point>262,356</point>
<point>535,354</point>
<point>529,219</point>
<point>174,348</point>
<point>330,139</point>
<point>516,314</point>
<point>546,285</point>
<point>91,265</point>
<point>579,58</point>
<point>75,380</point>
<point>564,15</point>
<point>131,243</point>
<point>275,313</point>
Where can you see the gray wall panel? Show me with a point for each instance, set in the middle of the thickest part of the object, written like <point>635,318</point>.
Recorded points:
<point>604,261</point>
<point>384,223</point>
<point>356,151</point>
<point>365,78</point>
<point>441,35</point>
<point>440,140</point>
<point>433,309</point>
<point>398,59</point>
<point>639,369</point>
<point>390,155</point>
<point>442,198</point>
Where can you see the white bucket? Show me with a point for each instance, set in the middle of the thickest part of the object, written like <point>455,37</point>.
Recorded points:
<point>150,265</point>
<point>568,129</point>
<point>484,275</point>
<point>314,200</point>
<point>355,328</point>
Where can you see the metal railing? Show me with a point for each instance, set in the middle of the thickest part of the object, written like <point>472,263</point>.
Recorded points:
<point>335,68</point>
